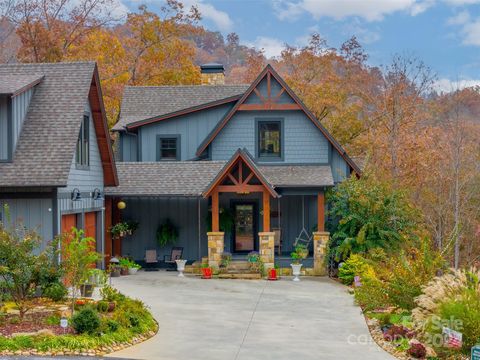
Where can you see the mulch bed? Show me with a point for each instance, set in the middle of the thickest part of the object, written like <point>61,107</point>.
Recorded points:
<point>30,324</point>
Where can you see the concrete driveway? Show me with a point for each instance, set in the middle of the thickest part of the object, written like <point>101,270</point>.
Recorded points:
<point>248,319</point>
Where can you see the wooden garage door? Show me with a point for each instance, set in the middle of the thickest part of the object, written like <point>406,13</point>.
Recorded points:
<point>91,224</point>
<point>68,221</point>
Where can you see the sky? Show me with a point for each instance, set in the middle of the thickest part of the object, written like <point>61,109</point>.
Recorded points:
<point>445,34</point>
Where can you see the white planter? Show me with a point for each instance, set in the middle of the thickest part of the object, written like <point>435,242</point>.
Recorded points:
<point>132,271</point>
<point>296,271</point>
<point>181,266</point>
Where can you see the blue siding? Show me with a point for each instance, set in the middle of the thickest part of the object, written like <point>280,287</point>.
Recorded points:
<point>340,168</point>
<point>129,147</point>
<point>34,214</point>
<point>151,212</point>
<point>3,128</point>
<point>192,128</point>
<point>303,142</point>
<point>87,180</point>
<point>20,105</point>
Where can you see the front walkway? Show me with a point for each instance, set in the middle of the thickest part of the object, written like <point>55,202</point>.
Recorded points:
<point>248,319</point>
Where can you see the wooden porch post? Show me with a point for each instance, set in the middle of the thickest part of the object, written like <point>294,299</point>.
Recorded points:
<point>266,211</point>
<point>321,212</point>
<point>215,212</point>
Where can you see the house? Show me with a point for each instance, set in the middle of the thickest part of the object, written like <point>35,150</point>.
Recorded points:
<point>249,158</point>
<point>55,152</point>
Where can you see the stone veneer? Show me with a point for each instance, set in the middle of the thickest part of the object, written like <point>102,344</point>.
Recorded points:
<point>216,244</point>
<point>320,241</point>
<point>213,78</point>
<point>266,242</point>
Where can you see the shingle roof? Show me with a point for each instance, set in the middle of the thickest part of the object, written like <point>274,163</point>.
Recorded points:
<point>191,178</point>
<point>13,84</point>
<point>144,102</point>
<point>47,141</point>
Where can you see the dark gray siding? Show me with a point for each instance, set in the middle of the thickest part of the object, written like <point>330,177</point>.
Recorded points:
<point>151,212</point>
<point>20,105</point>
<point>3,128</point>
<point>34,214</point>
<point>340,168</point>
<point>303,142</point>
<point>192,128</point>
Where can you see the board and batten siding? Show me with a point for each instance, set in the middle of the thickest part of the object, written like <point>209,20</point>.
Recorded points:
<point>128,147</point>
<point>34,214</point>
<point>193,129</point>
<point>303,142</point>
<point>340,168</point>
<point>151,212</point>
<point>3,128</point>
<point>20,104</point>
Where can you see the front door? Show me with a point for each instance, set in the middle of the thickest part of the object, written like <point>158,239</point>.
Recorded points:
<point>244,234</point>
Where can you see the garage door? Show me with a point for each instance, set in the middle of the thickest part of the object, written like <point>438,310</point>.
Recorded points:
<point>91,224</point>
<point>68,221</point>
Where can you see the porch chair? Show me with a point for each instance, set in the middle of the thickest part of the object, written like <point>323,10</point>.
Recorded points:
<point>176,254</point>
<point>151,260</point>
<point>278,240</point>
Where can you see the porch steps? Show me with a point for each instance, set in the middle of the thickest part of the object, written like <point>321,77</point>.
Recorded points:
<point>238,265</point>
<point>238,269</point>
<point>243,276</point>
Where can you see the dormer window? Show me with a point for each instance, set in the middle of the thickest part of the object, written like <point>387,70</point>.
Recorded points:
<point>168,147</point>
<point>83,144</point>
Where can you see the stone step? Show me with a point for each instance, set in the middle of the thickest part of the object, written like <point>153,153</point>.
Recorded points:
<point>244,276</point>
<point>238,265</point>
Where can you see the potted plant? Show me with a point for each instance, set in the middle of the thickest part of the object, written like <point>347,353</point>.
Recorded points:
<point>131,226</point>
<point>133,267</point>
<point>206,271</point>
<point>225,259</point>
<point>272,273</point>
<point>181,266</point>
<point>296,264</point>
<point>119,230</point>
<point>167,233</point>
<point>115,270</point>
<point>301,250</point>
<point>124,264</point>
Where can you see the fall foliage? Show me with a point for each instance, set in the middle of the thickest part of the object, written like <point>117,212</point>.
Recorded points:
<point>406,134</point>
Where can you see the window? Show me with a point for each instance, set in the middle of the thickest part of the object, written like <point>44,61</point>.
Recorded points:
<point>168,148</point>
<point>269,139</point>
<point>83,146</point>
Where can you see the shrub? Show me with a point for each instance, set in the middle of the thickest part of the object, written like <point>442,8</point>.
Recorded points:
<point>86,321</point>
<point>111,294</point>
<point>372,295</point>
<point>395,332</point>
<point>102,306</point>
<point>56,292</point>
<point>417,350</point>
<point>355,266</point>
<point>112,325</point>
<point>370,214</point>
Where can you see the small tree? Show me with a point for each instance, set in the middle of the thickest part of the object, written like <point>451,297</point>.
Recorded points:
<point>78,256</point>
<point>19,266</point>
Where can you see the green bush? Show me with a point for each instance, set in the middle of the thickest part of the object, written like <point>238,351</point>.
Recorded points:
<point>372,295</point>
<point>56,292</point>
<point>111,294</point>
<point>102,306</point>
<point>86,321</point>
<point>112,325</point>
<point>355,266</point>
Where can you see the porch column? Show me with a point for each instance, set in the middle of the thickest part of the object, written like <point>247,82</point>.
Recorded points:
<point>266,242</point>
<point>320,242</point>
<point>215,212</point>
<point>266,211</point>
<point>215,248</point>
<point>320,212</point>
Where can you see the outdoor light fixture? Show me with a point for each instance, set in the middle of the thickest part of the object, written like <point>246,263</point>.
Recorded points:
<point>121,205</point>
<point>97,194</point>
<point>76,195</point>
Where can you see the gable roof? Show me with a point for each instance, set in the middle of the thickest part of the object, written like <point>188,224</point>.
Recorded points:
<point>240,155</point>
<point>15,84</point>
<point>269,71</point>
<point>47,142</point>
<point>191,178</point>
<point>146,104</point>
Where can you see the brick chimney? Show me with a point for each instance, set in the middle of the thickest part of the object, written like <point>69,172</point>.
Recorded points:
<point>212,74</point>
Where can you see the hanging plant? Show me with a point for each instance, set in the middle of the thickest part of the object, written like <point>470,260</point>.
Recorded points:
<point>225,220</point>
<point>167,233</point>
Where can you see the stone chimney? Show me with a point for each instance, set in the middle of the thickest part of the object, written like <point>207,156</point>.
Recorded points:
<point>212,74</point>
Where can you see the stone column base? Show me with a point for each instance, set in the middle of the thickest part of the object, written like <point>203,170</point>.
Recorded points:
<point>216,245</point>
<point>266,242</point>
<point>320,242</point>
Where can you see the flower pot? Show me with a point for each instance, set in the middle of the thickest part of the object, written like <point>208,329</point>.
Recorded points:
<point>206,273</point>
<point>181,266</point>
<point>86,290</point>
<point>296,271</point>
<point>272,274</point>
<point>132,271</point>
<point>124,271</point>
<point>115,272</point>
<point>111,306</point>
